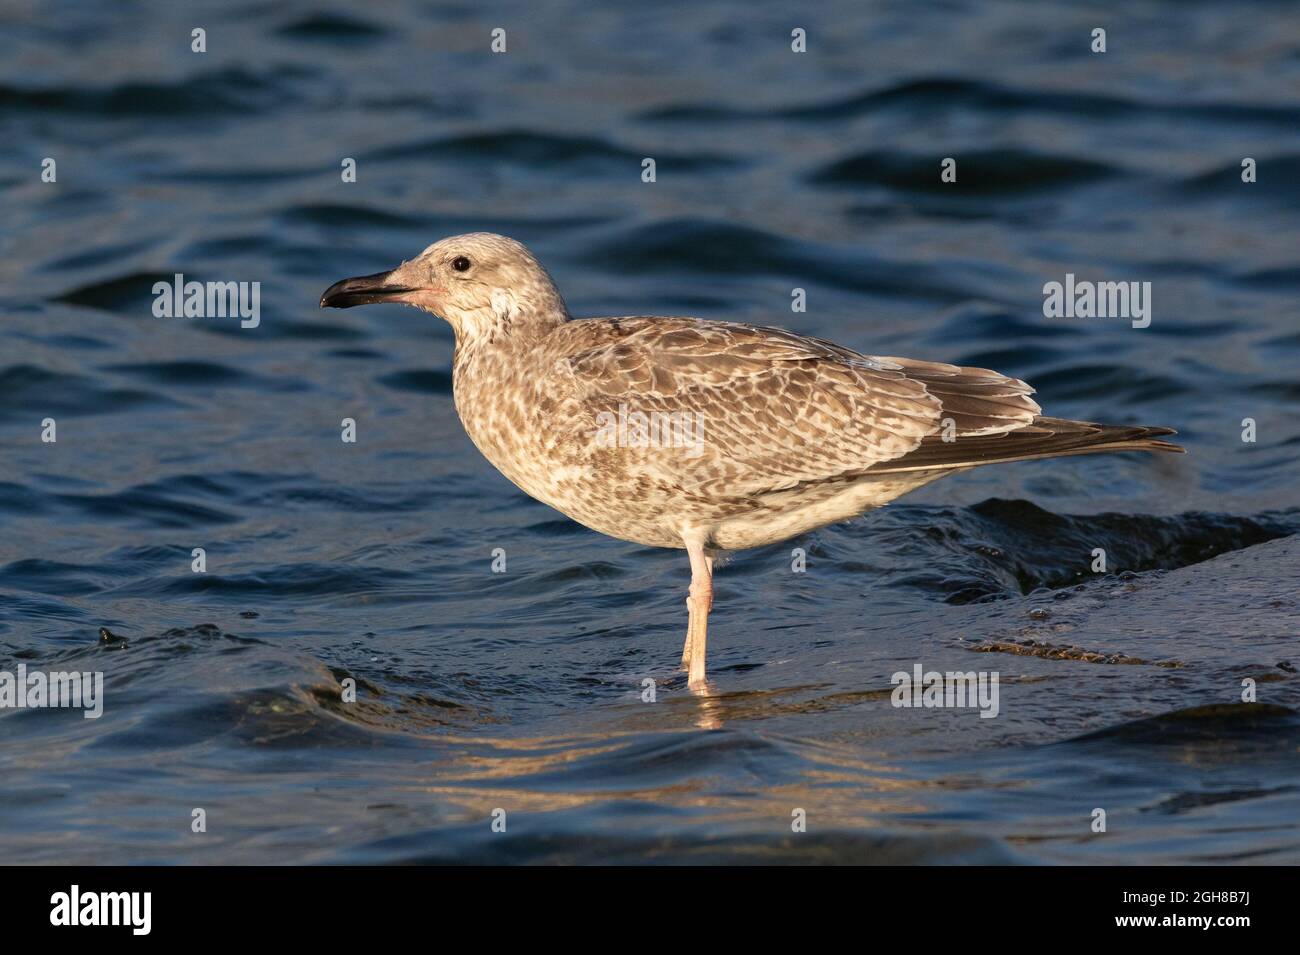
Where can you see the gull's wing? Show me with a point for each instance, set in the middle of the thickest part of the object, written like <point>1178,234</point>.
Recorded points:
<point>775,409</point>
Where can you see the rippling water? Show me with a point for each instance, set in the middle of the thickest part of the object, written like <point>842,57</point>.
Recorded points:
<point>522,690</point>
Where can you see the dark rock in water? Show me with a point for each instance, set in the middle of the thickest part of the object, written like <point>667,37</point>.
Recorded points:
<point>1216,721</point>
<point>1187,802</point>
<point>1034,648</point>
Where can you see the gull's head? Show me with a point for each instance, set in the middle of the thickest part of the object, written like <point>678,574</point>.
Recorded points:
<point>482,284</point>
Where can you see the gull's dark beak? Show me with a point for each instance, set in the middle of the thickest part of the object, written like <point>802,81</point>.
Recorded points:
<point>363,290</point>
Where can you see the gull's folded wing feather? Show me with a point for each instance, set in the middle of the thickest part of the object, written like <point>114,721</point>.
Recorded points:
<point>776,409</point>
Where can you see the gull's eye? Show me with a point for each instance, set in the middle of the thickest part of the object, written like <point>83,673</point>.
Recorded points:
<point>460,263</point>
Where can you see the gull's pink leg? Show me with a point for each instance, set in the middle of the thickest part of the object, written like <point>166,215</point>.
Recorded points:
<point>686,650</point>
<point>698,605</point>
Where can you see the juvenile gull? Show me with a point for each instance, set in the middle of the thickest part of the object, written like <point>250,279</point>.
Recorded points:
<point>784,433</point>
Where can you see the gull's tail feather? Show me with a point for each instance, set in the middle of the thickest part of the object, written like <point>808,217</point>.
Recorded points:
<point>1043,438</point>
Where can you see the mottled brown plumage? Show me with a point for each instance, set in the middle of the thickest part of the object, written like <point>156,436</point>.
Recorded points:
<point>680,432</point>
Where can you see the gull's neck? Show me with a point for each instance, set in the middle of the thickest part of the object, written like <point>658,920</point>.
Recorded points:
<point>487,334</point>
